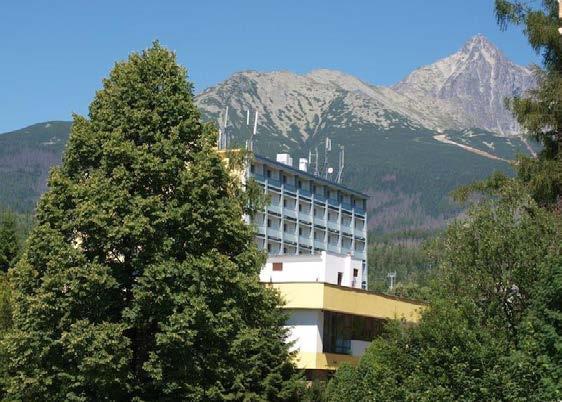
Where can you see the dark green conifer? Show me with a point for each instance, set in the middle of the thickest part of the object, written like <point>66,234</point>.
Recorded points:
<point>539,112</point>
<point>9,244</point>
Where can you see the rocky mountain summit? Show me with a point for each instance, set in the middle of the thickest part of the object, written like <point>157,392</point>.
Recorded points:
<point>474,81</point>
<point>465,90</point>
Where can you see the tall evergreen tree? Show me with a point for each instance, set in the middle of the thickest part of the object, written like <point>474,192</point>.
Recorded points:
<point>140,279</point>
<point>9,244</point>
<point>539,112</point>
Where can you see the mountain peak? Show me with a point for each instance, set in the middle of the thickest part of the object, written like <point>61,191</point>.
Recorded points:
<point>479,40</point>
<point>480,45</point>
<point>475,80</point>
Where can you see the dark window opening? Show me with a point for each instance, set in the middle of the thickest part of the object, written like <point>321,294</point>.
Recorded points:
<point>355,273</point>
<point>340,278</point>
<point>340,329</point>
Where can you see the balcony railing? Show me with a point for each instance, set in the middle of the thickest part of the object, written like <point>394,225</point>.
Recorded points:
<point>306,217</point>
<point>274,208</point>
<point>359,254</point>
<point>333,248</point>
<point>333,225</point>
<point>305,193</point>
<point>273,233</point>
<point>287,236</point>
<point>305,240</point>
<point>290,212</point>
<point>346,228</point>
<point>359,211</point>
<point>359,232</point>
<point>319,198</point>
<point>319,244</point>
<point>346,206</point>
<point>290,188</point>
<point>259,177</point>
<point>273,182</point>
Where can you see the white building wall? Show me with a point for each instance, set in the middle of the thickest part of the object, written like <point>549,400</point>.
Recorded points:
<point>303,268</point>
<point>305,330</point>
<point>322,267</point>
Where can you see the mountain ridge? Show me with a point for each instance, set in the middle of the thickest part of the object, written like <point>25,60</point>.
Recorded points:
<point>407,150</point>
<point>462,91</point>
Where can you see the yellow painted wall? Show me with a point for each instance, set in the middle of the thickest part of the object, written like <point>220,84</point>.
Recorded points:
<point>322,361</point>
<point>321,296</point>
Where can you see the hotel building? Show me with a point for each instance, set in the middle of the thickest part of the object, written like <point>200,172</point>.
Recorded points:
<point>315,234</point>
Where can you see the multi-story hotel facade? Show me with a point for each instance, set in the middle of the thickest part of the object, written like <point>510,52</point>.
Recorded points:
<point>310,216</point>
<point>315,235</point>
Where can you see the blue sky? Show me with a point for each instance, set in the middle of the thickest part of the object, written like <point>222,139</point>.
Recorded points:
<point>55,53</point>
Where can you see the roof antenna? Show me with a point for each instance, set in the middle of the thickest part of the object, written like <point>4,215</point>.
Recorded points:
<point>341,164</point>
<point>327,149</point>
<point>254,132</point>
<point>316,161</point>
<point>313,161</point>
<point>225,139</point>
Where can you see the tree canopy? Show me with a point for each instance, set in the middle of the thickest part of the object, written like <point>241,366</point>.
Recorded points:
<point>539,111</point>
<point>493,330</point>
<point>140,279</point>
<point>9,242</point>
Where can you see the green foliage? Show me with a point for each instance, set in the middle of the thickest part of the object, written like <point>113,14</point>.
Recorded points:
<point>9,242</point>
<point>315,391</point>
<point>5,326</point>
<point>140,279</point>
<point>26,156</point>
<point>539,112</point>
<point>494,328</point>
<point>5,305</point>
<point>411,264</point>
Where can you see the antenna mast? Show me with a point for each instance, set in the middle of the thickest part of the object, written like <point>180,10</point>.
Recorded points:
<point>341,164</point>
<point>251,144</point>
<point>225,139</point>
<point>392,277</point>
<point>327,149</point>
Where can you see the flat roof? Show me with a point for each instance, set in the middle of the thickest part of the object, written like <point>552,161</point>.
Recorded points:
<point>310,176</point>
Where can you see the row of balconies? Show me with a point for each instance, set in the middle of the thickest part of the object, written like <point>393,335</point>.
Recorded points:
<point>330,223</point>
<point>313,242</point>
<point>275,246</point>
<point>318,198</point>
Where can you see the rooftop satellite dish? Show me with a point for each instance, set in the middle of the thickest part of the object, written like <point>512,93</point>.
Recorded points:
<point>330,170</point>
